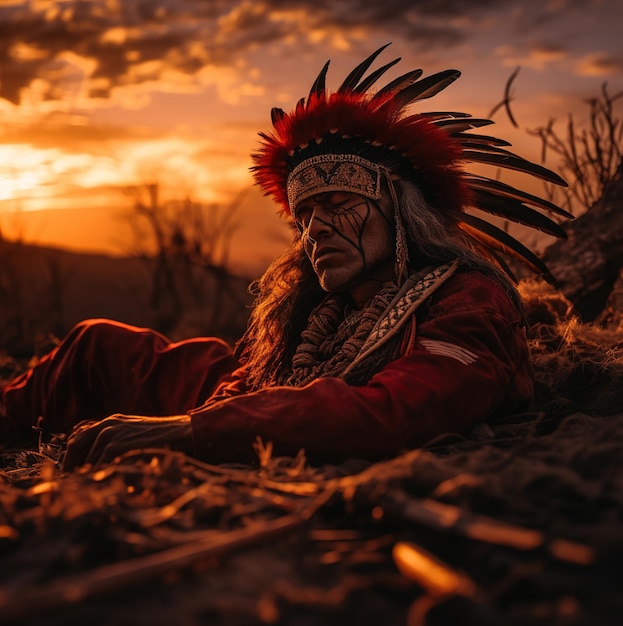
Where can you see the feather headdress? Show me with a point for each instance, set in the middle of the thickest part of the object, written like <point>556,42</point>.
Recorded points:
<point>344,139</point>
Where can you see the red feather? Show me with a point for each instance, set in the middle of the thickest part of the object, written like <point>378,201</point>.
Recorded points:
<point>430,148</point>
<point>433,154</point>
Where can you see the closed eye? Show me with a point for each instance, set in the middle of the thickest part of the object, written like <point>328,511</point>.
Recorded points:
<point>301,215</point>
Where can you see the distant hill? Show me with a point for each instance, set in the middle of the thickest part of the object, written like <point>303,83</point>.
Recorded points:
<point>259,236</point>
<point>47,290</point>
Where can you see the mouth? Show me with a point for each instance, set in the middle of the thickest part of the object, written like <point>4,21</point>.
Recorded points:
<point>323,253</point>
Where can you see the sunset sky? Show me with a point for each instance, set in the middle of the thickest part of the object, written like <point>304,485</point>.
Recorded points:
<point>96,95</point>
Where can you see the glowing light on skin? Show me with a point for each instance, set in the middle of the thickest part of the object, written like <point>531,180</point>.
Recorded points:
<point>349,240</point>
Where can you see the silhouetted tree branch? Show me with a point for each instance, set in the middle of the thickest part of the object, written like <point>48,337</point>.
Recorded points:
<point>588,156</point>
<point>188,244</point>
<point>588,264</point>
<point>507,99</point>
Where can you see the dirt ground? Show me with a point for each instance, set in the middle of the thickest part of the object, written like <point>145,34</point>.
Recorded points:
<point>518,522</point>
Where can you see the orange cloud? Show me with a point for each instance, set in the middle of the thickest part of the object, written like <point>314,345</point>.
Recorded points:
<point>538,57</point>
<point>600,64</point>
<point>169,43</point>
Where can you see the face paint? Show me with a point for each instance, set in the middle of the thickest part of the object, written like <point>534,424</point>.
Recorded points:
<point>349,240</point>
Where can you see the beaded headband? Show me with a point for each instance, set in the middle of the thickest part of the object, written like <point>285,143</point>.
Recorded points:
<point>333,172</point>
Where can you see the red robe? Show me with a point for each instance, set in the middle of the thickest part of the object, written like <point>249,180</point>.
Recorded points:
<point>470,361</point>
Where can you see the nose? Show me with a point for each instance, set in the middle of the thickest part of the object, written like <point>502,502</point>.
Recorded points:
<point>318,224</point>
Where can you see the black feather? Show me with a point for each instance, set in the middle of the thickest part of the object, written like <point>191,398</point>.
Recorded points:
<point>499,260</point>
<point>425,88</point>
<point>367,82</point>
<point>399,83</point>
<point>319,85</point>
<point>480,140</point>
<point>502,189</point>
<point>514,162</point>
<point>443,115</point>
<point>276,114</point>
<point>494,238</point>
<point>351,81</point>
<point>516,211</point>
<point>453,126</point>
<point>488,148</point>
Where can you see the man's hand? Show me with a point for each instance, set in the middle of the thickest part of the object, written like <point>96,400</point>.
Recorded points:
<point>95,442</point>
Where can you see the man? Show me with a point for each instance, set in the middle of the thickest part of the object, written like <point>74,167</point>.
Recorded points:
<point>386,323</point>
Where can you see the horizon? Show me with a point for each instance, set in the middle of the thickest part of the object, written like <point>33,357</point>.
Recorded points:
<point>176,92</point>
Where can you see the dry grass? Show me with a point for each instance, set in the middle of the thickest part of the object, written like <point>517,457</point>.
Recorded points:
<point>580,362</point>
<point>519,522</point>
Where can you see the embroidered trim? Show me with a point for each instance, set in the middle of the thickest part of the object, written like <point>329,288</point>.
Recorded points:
<point>443,348</point>
<point>415,291</point>
<point>334,172</point>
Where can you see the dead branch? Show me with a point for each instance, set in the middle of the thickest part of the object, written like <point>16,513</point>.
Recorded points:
<point>118,576</point>
<point>507,99</point>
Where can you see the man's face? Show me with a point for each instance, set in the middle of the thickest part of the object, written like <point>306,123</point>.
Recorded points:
<point>349,240</point>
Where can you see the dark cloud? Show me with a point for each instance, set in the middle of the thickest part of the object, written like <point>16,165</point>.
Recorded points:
<point>419,22</point>
<point>118,36</point>
<point>546,16</point>
<point>118,43</point>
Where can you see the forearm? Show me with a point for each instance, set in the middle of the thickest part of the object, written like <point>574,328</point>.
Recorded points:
<point>467,364</point>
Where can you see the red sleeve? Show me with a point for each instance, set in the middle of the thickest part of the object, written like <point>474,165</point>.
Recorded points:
<point>470,360</point>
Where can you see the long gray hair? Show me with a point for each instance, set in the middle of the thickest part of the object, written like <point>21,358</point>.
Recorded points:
<point>289,289</point>
<point>434,236</point>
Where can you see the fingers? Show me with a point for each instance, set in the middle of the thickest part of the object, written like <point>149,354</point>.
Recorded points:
<point>87,439</point>
<point>103,448</point>
<point>101,442</point>
<point>79,443</point>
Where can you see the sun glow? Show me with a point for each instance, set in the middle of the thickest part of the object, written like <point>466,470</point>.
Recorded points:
<point>44,178</point>
<point>28,174</point>
<point>21,172</point>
